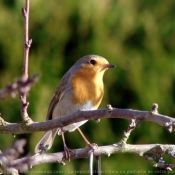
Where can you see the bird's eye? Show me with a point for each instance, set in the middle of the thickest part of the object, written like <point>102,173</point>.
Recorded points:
<point>93,62</point>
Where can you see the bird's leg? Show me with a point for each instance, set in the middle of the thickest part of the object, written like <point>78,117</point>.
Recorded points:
<point>66,149</point>
<point>91,145</point>
<point>85,139</point>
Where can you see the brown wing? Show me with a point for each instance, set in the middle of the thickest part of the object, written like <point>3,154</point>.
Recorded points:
<point>58,94</point>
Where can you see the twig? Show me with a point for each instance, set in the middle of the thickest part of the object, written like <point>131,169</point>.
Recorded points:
<point>15,150</point>
<point>133,124</point>
<point>27,44</point>
<point>160,163</point>
<point>21,85</point>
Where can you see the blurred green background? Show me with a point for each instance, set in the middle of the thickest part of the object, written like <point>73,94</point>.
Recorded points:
<point>136,36</point>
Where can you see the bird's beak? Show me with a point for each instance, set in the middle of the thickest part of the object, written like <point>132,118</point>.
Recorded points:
<point>106,66</point>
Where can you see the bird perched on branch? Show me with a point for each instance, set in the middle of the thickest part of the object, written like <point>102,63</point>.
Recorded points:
<point>80,88</point>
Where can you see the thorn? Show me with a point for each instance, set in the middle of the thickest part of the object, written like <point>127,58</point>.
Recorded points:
<point>169,126</point>
<point>108,154</point>
<point>14,85</point>
<point>28,43</point>
<point>109,108</point>
<point>132,123</point>
<point>24,13</point>
<point>116,144</point>
<point>154,109</point>
<point>141,154</point>
<point>61,163</point>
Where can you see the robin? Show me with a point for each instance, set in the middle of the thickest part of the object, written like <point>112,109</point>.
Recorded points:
<point>81,88</point>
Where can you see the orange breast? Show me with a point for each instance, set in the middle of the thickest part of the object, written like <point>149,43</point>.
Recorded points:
<point>87,87</point>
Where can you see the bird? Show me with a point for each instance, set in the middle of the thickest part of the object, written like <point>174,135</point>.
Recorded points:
<point>81,88</point>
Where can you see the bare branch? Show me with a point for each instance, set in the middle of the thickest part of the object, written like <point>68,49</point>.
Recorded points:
<point>140,150</point>
<point>20,128</point>
<point>126,134</point>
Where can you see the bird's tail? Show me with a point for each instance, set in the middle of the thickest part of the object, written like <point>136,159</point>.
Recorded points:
<point>46,141</point>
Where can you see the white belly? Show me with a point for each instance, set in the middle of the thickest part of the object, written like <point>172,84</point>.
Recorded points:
<point>72,127</point>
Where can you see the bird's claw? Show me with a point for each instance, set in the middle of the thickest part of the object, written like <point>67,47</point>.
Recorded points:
<point>67,152</point>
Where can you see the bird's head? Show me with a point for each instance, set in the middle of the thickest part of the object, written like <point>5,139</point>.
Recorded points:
<point>92,64</point>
